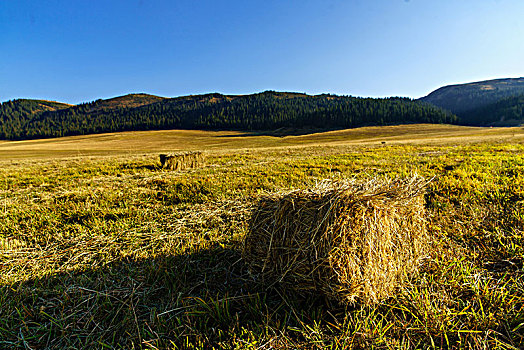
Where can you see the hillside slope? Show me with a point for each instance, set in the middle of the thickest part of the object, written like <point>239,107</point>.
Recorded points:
<point>126,101</point>
<point>14,115</point>
<point>508,111</point>
<point>463,98</point>
<point>263,111</point>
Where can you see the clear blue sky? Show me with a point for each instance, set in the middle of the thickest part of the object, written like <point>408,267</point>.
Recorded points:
<point>81,50</point>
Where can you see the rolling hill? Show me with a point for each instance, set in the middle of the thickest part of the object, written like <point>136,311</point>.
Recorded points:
<point>464,98</point>
<point>492,102</point>
<point>27,107</point>
<point>268,110</point>
<point>126,101</point>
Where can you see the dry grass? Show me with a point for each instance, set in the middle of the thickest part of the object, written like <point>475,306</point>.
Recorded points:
<point>140,142</point>
<point>347,240</point>
<point>114,252</point>
<point>128,101</point>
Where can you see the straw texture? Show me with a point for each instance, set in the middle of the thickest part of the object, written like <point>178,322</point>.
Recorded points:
<point>182,160</point>
<point>351,241</point>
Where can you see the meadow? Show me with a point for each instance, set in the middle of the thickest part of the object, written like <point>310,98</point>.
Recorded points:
<point>102,248</point>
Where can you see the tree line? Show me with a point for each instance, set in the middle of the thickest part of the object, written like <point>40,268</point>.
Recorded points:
<point>21,119</point>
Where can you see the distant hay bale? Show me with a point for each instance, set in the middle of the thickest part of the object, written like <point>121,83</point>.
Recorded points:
<point>182,160</point>
<point>349,241</point>
<point>10,243</point>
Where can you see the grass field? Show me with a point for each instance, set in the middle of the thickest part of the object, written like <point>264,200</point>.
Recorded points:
<point>100,248</point>
<point>141,142</point>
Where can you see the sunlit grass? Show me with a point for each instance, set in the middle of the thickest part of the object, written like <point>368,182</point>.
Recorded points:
<point>114,252</point>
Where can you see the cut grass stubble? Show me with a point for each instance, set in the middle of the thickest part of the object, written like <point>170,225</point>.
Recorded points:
<point>115,252</point>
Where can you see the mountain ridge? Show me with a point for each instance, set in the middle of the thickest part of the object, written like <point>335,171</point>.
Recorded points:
<point>268,110</point>
<point>483,103</point>
<point>129,100</point>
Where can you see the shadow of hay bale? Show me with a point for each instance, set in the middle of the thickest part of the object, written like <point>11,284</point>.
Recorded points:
<point>116,303</point>
<point>182,160</point>
<point>346,240</point>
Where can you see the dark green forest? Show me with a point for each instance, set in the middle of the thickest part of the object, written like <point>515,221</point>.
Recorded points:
<point>23,119</point>
<point>465,99</point>
<point>505,112</point>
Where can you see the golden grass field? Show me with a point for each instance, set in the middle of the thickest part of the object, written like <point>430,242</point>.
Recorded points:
<point>138,142</point>
<point>101,248</point>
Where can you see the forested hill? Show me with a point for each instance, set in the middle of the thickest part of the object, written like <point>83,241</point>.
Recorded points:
<point>464,98</point>
<point>505,112</point>
<point>263,111</point>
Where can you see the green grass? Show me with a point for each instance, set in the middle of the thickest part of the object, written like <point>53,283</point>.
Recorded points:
<point>113,252</point>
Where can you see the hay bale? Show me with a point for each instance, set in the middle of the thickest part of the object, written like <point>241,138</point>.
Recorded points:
<point>349,241</point>
<point>182,160</point>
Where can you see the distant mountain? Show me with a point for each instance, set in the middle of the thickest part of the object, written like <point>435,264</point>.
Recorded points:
<point>268,110</point>
<point>467,97</point>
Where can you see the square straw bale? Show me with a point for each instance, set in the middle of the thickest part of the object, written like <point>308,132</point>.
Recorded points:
<point>350,241</point>
<point>182,160</point>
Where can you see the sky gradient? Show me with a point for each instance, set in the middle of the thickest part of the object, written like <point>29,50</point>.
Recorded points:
<point>78,51</point>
